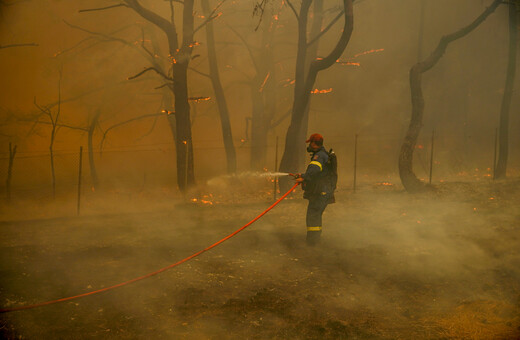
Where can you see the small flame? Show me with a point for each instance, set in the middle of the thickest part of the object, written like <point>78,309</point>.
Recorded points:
<point>347,63</point>
<point>368,52</point>
<point>265,81</point>
<point>198,99</point>
<point>316,91</point>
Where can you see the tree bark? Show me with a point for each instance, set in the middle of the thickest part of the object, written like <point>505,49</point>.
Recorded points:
<point>179,58</point>
<point>92,164</point>
<point>503,142</point>
<point>225,123</point>
<point>304,82</point>
<point>408,177</point>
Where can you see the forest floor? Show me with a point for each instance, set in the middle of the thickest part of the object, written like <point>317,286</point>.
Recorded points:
<point>438,265</point>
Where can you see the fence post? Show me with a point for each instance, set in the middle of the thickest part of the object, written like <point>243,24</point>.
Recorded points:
<point>275,168</point>
<point>12,153</point>
<point>495,155</point>
<point>431,155</point>
<point>355,161</point>
<point>79,176</point>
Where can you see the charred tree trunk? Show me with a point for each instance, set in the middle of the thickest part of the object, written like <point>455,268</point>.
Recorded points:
<point>304,81</point>
<point>92,164</point>
<point>227,135</point>
<point>503,142</point>
<point>179,58</point>
<point>258,126</point>
<point>408,177</point>
<point>184,144</point>
<point>311,54</point>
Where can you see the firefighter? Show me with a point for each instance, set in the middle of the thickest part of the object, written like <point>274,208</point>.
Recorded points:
<point>317,187</point>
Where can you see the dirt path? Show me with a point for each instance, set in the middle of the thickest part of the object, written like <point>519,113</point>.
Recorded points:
<point>390,265</point>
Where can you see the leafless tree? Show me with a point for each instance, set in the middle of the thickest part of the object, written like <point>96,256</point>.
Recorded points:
<point>53,119</point>
<point>305,78</point>
<point>220,97</point>
<point>503,141</point>
<point>408,177</point>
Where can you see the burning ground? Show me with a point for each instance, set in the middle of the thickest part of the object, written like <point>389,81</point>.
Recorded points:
<point>391,265</point>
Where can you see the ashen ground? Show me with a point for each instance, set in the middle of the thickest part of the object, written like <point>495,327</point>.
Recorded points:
<point>441,265</point>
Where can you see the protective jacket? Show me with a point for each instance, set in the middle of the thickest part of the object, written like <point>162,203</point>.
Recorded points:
<point>316,177</point>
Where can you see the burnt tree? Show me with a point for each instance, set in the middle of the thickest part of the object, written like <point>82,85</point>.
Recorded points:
<point>214,74</point>
<point>180,55</point>
<point>408,177</point>
<point>263,87</point>
<point>304,82</point>
<point>503,141</point>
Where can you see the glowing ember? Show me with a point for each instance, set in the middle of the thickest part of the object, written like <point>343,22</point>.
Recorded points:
<point>316,91</point>
<point>198,99</point>
<point>347,63</point>
<point>368,52</point>
<point>384,183</point>
<point>265,81</point>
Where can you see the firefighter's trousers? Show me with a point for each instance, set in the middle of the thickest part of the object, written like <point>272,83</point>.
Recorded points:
<point>317,204</point>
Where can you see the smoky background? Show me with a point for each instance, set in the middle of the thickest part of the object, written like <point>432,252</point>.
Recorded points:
<point>387,256</point>
<point>462,93</point>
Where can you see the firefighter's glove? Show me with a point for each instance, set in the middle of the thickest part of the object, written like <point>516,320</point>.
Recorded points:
<point>298,178</point>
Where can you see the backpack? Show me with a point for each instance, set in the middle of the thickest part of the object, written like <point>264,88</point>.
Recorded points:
<point>332,174</point>
<point>332,165</point>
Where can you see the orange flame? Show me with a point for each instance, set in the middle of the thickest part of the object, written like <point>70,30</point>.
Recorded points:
<point>368,52</point>
<point>316,91</point>
<point>347,63</point>
<point>198,99</point>
<point>265,81</point>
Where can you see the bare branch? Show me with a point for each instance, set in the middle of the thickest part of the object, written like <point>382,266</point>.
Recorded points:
<point>163,85</point>
<point>210,17</point>
<point>102,8</point>
<point>201,73</point>
<point>244,41</point>
<point>164,24</point>
<point>98,34</point>
<point>293,9</point>
<point>18,45</point>
<point>151,69</point>
<point>326,28</point>
<point>126,122</point>
<point>49,123</point>
<point>144,46</point>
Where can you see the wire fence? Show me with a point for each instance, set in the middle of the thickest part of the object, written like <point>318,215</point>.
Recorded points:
<point>152,166</point>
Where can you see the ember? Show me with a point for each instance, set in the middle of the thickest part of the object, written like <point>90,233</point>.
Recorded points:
<point>316,91</point>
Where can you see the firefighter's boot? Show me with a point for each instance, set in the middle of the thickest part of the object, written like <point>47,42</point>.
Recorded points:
<point>313,236</point>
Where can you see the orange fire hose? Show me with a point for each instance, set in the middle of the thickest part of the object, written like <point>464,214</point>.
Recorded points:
<point>5,310</point>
